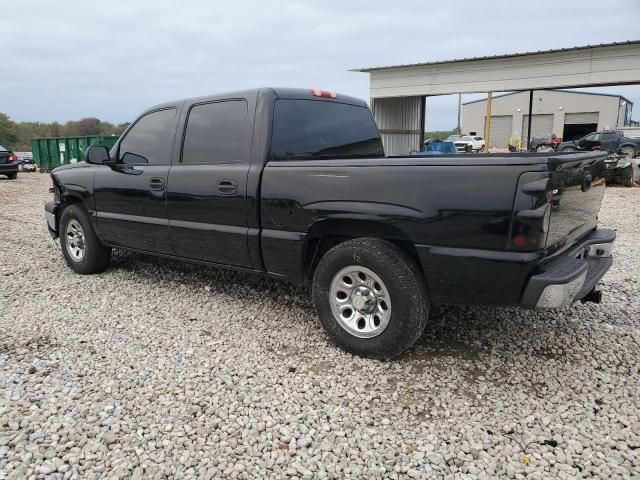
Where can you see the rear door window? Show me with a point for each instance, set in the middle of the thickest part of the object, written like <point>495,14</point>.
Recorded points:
<point>312,129</point>
<point>149,140</point>
<point>217,133</point>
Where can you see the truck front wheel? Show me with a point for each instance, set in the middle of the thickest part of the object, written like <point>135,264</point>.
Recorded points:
<point>371,297</point>
<point>81,248</point>
<point>628,151</point>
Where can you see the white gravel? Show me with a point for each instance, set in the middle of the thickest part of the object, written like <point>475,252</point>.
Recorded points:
<point>156,369</point>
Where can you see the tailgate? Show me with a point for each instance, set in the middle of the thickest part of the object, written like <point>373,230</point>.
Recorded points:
<point>577,187</point>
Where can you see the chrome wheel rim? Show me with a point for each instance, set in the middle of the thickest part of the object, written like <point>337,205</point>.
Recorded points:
<point>360,301</point>
<point>75,240</point>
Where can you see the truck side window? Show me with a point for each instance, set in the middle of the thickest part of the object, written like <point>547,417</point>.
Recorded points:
<point>149,140</point>
<point>216,133</point>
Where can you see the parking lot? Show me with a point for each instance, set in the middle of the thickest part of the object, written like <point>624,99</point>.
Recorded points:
<point>156,369</point>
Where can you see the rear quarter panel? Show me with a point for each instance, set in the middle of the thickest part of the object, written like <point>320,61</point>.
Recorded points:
<point>431,202</point>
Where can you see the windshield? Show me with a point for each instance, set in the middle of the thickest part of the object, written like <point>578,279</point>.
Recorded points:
<point>311,129</point>
<point>466,138</point>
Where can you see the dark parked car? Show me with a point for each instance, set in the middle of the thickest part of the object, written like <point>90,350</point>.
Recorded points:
<point>294,184</point>
<point>613,141</point>
<point>8,163</point>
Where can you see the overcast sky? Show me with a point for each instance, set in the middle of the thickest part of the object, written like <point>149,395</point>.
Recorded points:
<point>61,61</point>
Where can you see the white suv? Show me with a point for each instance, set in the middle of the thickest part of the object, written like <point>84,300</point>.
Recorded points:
<point>469,143</point>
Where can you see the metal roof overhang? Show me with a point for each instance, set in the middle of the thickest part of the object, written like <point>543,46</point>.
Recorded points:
<point>587,66</point>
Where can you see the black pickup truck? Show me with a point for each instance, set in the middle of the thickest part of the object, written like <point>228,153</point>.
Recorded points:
<point>294,184</point>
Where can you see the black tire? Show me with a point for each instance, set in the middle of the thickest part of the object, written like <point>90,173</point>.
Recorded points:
<point>628,152</point>
<point>569,149</point>
<point>96,256</point>
<point>409,305</point>
<point>12,176</point>
<point>627,180</point>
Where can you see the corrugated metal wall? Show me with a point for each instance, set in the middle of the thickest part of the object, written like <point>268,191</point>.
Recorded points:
<point>398,120</point>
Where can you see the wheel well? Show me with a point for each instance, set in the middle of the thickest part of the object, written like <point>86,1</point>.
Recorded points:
<point>325,235</point>
<point>65,201</point>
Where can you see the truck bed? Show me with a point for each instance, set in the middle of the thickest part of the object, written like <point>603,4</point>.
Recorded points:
<point>467,206</point>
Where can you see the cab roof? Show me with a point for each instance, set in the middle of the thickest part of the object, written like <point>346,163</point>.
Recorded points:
<point>280,92</point>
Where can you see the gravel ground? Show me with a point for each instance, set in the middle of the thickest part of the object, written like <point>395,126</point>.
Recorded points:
<point>156,369</point>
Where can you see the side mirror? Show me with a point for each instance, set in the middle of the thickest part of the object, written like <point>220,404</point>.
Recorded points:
<point>98,155</point>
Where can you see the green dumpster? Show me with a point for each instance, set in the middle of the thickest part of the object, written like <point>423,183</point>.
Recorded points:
<point>49,153</point>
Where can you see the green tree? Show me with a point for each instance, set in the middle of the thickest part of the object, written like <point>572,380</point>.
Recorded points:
<point>8,133</point>
<point>17,135</point>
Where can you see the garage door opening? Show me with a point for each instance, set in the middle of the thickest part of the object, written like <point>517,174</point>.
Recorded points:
<point>574,131</point>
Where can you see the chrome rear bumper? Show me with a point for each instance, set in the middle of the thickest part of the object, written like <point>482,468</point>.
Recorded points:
<point>573,275</point>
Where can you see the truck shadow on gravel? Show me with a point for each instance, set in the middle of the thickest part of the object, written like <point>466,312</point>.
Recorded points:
<point>469,332</point>
<point>464,333</point>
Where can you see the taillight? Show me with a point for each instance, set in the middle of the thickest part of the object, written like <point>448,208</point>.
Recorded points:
<point>323,93</point>
<point>531,212</point>
<point>13,157</point>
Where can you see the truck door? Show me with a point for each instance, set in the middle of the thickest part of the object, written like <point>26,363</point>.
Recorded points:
<point>207,191</point>
<point>590,142</point>
<point>130,197</point>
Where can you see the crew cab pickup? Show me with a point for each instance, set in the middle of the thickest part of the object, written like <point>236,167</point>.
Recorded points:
<point>295,184</point>
<point>613,141</point>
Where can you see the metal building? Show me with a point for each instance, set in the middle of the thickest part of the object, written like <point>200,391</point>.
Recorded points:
<point>567,114</point>
<point>398,92</point>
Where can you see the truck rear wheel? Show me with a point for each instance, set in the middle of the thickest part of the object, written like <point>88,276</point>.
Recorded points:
<point>370,297</point>
<point>81,248</point>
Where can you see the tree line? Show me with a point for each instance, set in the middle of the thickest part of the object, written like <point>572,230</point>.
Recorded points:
<point>16,136</point>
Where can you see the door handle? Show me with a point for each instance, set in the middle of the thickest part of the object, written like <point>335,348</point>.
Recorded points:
<point>227,186</point>
<point>156,184</point>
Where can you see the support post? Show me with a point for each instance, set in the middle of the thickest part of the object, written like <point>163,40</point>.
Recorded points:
<point>423,107</point>
<point>530,115</point>
<point>458,128</point>
<point>487,123</point>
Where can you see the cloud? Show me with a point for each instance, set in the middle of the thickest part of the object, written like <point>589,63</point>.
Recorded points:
<point>68,59</point>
